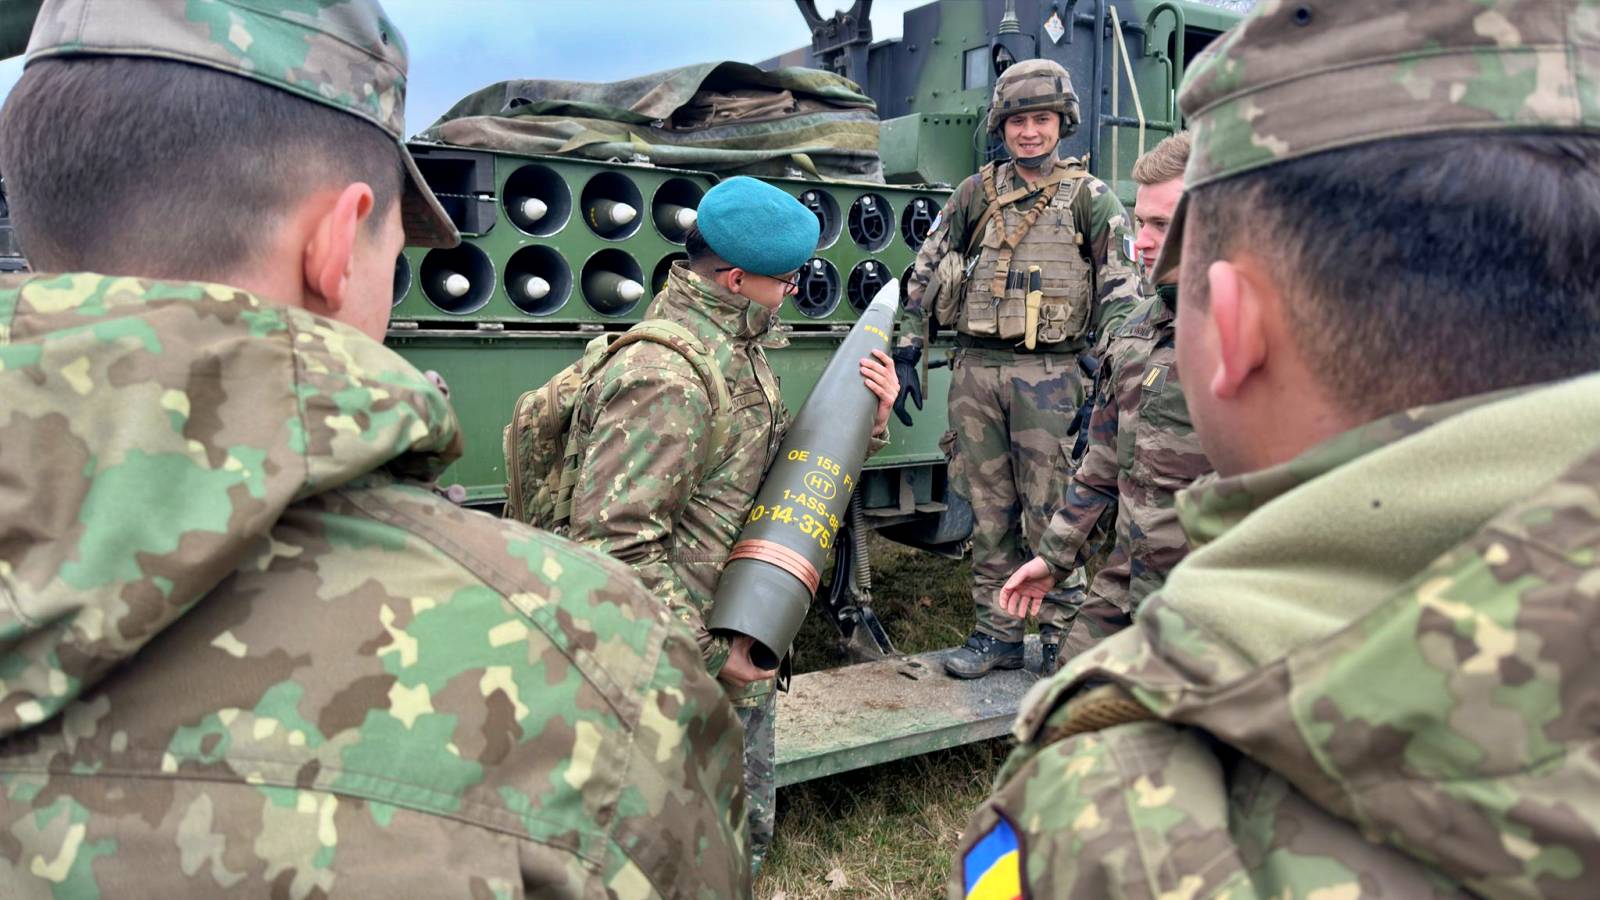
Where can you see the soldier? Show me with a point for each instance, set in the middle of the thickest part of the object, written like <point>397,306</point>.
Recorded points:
<point>1016,382</point>
<point>1375,674</point>
<point>247,651</point>
<point>1141,449</point>
<point>653,490</point>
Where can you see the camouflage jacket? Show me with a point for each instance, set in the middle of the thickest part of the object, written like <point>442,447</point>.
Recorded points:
<point>1375,676</point>
<point>1142,450</point>
<point>648,491</point>
<point>1099,217</point>
<point>247,652</point>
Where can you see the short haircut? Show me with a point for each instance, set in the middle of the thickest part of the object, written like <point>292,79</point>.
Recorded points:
<point>1422,270</point>
<point>1165,161</point>
<point>694,244</point>
<point>152,167</point>
<point>702,259</point>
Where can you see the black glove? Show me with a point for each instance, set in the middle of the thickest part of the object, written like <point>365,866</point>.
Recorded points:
<point>905,369</point>
<point>1092,369</point>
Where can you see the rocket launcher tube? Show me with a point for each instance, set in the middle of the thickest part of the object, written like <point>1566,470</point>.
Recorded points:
<point>674,219</point>
<point>532,209</point>
<point>607,214</point>
<point>774,569</point>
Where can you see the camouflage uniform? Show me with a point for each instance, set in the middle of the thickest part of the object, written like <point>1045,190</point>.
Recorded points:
<point>646,493</point>
<point>1142,450</point>
<point>245,650</point>
<point>1408,733</point>
<point>248,652</point>
<point>1010,408</point>
<point>1324,700</point>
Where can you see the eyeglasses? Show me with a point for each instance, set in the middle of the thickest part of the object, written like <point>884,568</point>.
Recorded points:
<point>791,281</point>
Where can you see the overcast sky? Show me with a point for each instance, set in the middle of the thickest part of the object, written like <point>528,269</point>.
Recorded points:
<point>458,46</point>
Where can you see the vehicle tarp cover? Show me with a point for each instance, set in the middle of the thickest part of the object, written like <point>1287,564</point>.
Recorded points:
<point>730,118</point>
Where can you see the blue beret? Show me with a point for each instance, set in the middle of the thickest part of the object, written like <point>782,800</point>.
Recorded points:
<point>757,227</point>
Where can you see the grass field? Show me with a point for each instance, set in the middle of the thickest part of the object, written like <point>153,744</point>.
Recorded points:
<point>890,830</point>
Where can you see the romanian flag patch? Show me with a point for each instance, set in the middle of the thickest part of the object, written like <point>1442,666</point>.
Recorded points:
<point>992,869</point>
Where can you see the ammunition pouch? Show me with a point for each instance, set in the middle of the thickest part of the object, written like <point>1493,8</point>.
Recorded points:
<point>952,460</point>
<point>996,304</point>
<point>946,287</point>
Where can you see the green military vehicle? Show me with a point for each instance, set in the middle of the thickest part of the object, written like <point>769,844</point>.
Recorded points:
<point>571,227</point>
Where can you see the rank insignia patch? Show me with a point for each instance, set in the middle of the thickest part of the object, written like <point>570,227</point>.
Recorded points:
<point>1154,379</point>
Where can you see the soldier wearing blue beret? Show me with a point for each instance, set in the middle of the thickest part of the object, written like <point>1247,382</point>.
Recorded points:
<point>668,470</point>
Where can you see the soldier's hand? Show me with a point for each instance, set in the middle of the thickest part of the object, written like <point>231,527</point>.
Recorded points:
<point>739,671</point>
<point>878,371</point>
<point>905,369</point>
<point>1024,591</point>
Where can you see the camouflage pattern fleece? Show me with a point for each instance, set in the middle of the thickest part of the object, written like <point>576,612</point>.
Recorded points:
<point>1142,450</point>
<point>1361,683</point>
<point>245,651</point>
<point>1099,217</point>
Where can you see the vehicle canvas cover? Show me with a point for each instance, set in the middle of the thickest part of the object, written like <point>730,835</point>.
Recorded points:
<point>730,118</point>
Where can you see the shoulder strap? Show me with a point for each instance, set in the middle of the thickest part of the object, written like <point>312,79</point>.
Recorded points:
<point>596,352</point>
<point>1047,192</point>
<point>1008,241</point>
<point>975,236</point>
<point>681,340</point>
<point>1097,709</point>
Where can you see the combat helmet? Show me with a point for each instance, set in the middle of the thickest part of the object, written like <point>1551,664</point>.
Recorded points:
<point>1034,84</point>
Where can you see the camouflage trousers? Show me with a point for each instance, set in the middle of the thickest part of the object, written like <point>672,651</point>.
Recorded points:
<point>760,787</point>
<point>1013,459</point>
<point>1096,620</point>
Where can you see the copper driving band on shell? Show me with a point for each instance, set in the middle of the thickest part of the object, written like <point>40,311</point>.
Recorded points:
<point>780,556</point>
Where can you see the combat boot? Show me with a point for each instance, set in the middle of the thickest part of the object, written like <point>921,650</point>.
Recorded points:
<point>1050,648</point>
<point>1049,657</point>
<point>982,653</point>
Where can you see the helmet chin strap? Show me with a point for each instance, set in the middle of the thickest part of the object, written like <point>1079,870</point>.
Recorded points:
<point>1036,162</point>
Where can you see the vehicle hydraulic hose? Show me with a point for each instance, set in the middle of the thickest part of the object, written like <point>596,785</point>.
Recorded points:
<point>860,564</point>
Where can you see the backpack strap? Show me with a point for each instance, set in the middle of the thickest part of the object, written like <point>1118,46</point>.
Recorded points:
<point>671,334</point>
<point>668,334</point>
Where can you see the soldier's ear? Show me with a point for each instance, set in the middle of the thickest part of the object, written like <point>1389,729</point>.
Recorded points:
<point>1241,302</point>
<point>330,251</point>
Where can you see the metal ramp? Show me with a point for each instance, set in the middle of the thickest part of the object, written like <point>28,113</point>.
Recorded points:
<point>855,716</point>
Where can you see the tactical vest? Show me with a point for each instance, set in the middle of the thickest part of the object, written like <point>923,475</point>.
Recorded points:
<point>995,304</point>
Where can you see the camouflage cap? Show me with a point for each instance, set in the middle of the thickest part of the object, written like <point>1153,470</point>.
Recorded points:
<point>1034,84</point>
<point>344,54</point>
<point>1298,78</point>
